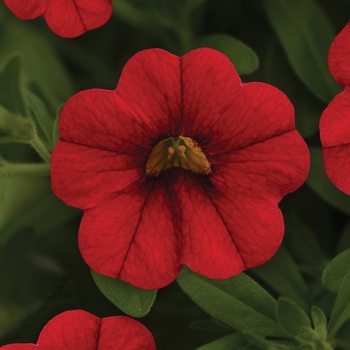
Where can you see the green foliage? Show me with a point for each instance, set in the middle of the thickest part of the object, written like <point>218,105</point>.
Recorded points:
<point>39,58</point>
<point>300,240</point>
<point>191,5</point>
<point>305,33</point>
<point>238,302</point>
<point>242,56</point>
<point>341,311</point>
<point>308,108</point>
<point>291,317</point>
<point>319,321</point>
<point>133,301</point>
<point>229,342</point>
<point>319,182</point>
<point>336,271</point>
<point>43,120</point>
<point>11,96</point>
<point>283,275</point>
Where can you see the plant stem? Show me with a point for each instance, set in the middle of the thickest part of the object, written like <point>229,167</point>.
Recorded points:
<point>40,148</point>
<point>24,170</point>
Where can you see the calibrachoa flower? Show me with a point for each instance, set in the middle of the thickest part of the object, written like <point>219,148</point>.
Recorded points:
<point>67,18</point>
<point>77,329</point>
<point>335,120</point>
<point>180,164</point>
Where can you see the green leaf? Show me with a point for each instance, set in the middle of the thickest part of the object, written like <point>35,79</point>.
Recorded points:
<point>305,33</point>
<point>191,5</point>
<point>15,128</point>
<point>239,301</point>
<point>43,120</point>
<point>291,317</point>
<point>319,183</point>
<point>40,61</point>
<point>29,202</point>
<point>303,245</point>
<point>335,271</point>
<point>208,325</point>
<point>308,108</point>
<point>267,344</point>
<point>229,342</point>
<point>133,301</point>
<point>341,311</point>
<point>319,321</point>
<point>283,275</point>
<point>11,96</point>
<point>242,56</point>
<point>144,18</point>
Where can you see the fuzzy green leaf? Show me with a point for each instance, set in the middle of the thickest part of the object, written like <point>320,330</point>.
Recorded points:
<point>319,321</point>
<point>238,302</point>
<point>335,271</point>
<point>291,317</point>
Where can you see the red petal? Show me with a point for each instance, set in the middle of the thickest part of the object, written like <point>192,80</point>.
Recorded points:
<point>339,57</point>
<point>79,329</point>
<point>70,18</point>
<point>206,244</point>
<point>100,119</point>
<point>132,237</point>
<point>335,139</point>
<point>150,85</point>
<point>223,115</point>
<point>27,9</point>
<point>84,177</point>
<point>232,222</point>
<point>269,169</point>
<point>70,330</point>
<point>124,333</point>
<point>20,347</point>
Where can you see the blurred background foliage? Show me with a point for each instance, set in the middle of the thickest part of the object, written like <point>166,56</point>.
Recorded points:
<point>284,43</point>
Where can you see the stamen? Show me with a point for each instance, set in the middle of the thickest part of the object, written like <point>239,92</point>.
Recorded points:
<point>178,151</point>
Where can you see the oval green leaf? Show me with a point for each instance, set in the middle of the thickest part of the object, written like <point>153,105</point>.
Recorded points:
<point>242,56</point>
<point>335,271</point>
<point>238,302</point>
<point>133,301</point>
<point>305,33</point>
<point>291,317</point>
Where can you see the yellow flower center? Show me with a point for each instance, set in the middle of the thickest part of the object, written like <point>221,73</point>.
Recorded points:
<point>180,152</point>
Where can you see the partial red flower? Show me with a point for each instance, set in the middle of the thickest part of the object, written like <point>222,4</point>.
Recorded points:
<point>335,120</point>
<point>67,18</point>
<point>77,329</point>
<point>180,164</point>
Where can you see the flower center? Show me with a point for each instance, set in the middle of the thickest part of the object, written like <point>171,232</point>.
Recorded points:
<point>177,152</point>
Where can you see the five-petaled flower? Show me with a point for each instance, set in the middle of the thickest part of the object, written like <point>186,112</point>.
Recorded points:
<point>180,164</point>
<point>67,18</point>
<point>335,120</point>
<point>77,329</point>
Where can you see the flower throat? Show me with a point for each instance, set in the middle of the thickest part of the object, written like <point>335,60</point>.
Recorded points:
<point>180,152</point>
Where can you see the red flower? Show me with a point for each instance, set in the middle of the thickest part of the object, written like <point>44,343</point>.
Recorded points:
<point>181,164</point>
<point>77,329</point>
<point>335,120</point>
<point>67,18</point>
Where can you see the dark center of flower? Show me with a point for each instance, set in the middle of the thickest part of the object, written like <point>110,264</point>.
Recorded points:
<point>177,152</point>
